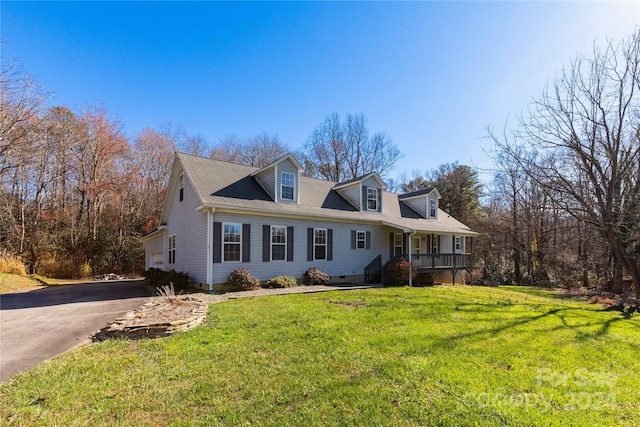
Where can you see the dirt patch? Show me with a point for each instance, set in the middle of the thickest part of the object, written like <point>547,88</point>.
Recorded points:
<point>162,317</point>
<point>349,304</point>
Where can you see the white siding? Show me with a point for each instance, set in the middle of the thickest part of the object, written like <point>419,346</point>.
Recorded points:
<point>154,246</point>
<point>346,262</point>
<point>371,182</point>
<point>446,244</point>
<point>190,228</point>
<point>352,194</point>
<point>287,166</point>
<point>419,205</point>
<point>268,181</point>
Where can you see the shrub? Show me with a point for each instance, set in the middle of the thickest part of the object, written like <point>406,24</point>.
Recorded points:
<point>315,276</point>
<point>159,278</point>
<point>397,272</point>
<point>281,282</point>
<point>11,264</point>
<point>241,279</point>
<point>153,275</point>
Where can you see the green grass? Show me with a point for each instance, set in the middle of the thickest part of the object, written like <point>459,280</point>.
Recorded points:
<point>16,283</point>
<point>442,356</point>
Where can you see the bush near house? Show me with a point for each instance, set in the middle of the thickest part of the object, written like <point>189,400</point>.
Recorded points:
<point>241,279</point>
<point>281,282</point>
<point>398,271</point>
<point>158,278</point>
<point>315,276</point>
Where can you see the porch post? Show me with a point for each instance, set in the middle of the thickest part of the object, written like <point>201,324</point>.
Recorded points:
<point>453,272</point>
<point>410,260</point>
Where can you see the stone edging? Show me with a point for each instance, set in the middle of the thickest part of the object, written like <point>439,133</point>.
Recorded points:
<point>130,325</point>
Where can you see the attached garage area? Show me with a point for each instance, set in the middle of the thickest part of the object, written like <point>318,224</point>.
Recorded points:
<point>157,260</point>
<point>154,249</point>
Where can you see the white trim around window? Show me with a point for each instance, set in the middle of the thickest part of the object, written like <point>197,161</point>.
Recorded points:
<point>172,249</point>
<point>287,186</point>
<point>319,244</point>
<point>361,239</point>
<point>231,242</point>
<point>398,248</point>
<point>278,243</point>
<point>372,199</point>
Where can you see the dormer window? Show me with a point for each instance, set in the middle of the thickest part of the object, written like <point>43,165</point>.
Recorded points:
<point>287,186</point>
<point>432,208</point>
<point>372,199</point>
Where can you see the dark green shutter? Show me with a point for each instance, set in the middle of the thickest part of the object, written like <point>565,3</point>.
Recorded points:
<point>309,244</point>
<point>289,243</point>
<point>266,243</point>
<point>329,244</point>
<point>353,239</point>
<point>246,242</point>
<point>365,203</point>
<point>217,242</point>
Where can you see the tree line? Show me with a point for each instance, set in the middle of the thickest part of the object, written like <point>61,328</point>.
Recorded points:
<point>562,209</point>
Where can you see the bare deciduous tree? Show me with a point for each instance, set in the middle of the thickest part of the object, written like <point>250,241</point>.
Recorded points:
<point>338,151</point>
<point>584,134</point>
<point>257,151</point>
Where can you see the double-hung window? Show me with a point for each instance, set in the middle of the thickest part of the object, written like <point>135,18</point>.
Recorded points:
<point>320,243</point>
<point>397,244</point>
<point>232,242</point>
<point>287,185</point>
<point>372,199</point>
<point>361,239</point>
<point>458,243</point>
<point>432,208</point>
<point>181,186</point>
<point>278,243</point>
<point>172,249</point>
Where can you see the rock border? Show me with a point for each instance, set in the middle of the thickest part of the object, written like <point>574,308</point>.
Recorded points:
<point>130,326</point>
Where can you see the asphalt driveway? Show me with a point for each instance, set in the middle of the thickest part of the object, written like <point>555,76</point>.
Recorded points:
<point>43,323</point>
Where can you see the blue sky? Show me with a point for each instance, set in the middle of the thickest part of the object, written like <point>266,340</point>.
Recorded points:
<point>432,75</point>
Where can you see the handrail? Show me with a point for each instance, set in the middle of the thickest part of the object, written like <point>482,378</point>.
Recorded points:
<point>374,268</point>
<point>440,260</point>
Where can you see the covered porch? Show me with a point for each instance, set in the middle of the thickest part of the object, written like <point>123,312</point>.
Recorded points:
<point>433,255</point>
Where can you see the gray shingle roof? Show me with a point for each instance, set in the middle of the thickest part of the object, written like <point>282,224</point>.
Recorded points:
<point>228,185</point>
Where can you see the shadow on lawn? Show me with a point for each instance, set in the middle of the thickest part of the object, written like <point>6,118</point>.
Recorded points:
<point>561,313</point>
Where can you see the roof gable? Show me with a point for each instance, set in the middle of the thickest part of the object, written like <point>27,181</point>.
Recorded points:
<point>272,165</point>
<point>360,179</point>
<point>233,187</point>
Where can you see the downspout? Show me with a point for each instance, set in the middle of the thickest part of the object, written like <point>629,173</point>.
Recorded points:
<point>410,260</point>
<point>210,249</point>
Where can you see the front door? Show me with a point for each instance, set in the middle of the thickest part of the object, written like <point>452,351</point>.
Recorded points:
<point>415,246</point>
<point>433,243</point>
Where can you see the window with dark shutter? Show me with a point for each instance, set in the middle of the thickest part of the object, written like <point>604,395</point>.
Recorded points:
<point>278,243</point>
<point>289,243</point>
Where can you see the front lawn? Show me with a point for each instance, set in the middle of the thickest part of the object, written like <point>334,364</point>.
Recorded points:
<point>16,283</point>
<point>429,356</point>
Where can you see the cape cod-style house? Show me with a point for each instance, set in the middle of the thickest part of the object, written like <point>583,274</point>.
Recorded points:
<point>219,216</point>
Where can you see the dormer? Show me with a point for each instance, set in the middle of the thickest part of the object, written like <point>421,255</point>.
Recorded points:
<point>424,202</point>
<point>281,179</point>
<point>364,193</point>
